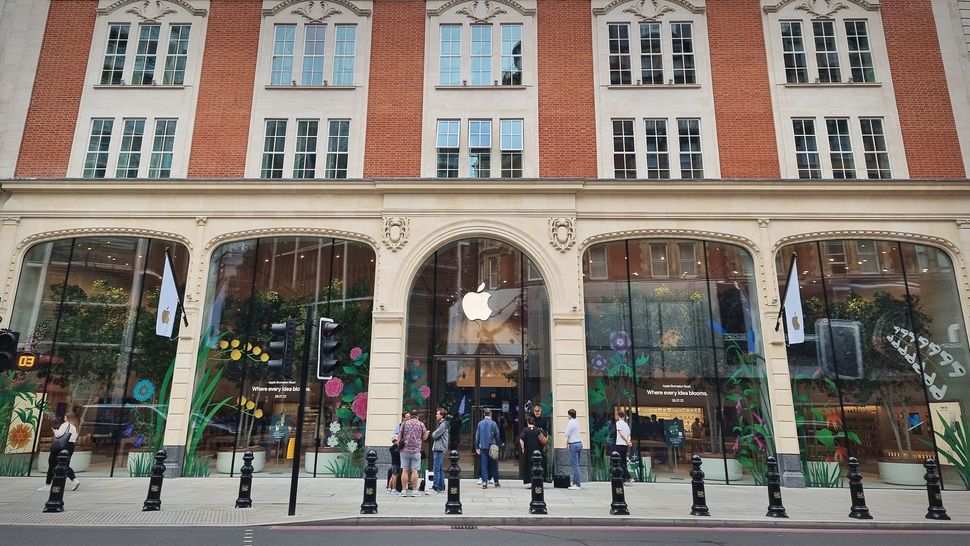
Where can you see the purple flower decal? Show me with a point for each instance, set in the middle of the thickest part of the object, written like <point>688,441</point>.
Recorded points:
<point>758,417</point>
<point>761,445</point>
<point>138,441</point>
<point>129,431</point>
<point>738,405</point>
<point>620,341</point>
<point>598,363</point>
<point>737,444</point>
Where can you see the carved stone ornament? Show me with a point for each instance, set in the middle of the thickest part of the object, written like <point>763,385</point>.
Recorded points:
<point>482,11</point>
<point>562,233</point>
<point>396,233</point>
<point>316,11</point>
<point>653,12</point>
<point>152,11</point>
<point>821,9</point>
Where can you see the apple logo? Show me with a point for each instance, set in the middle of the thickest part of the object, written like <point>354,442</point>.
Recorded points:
<point>796,323</point>
<point>166,314</point>
<point>475,304</point>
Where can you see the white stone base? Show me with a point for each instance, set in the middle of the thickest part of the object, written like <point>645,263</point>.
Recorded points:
<point>224,461</point>
<point>80,460</point>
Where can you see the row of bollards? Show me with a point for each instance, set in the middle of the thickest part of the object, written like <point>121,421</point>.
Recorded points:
<point>776,509</point>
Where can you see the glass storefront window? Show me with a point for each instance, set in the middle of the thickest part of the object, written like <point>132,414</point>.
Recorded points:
<point>478,338</point>
<point>672,340</point>
<point>881,374</point>
<point>240,403</point>
<point>87,307</point>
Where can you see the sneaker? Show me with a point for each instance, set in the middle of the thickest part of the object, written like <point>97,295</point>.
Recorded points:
<point>574,487</point>
<point>528,486</point>
<point>44,488</point>
<point>428,493</point>
<point>497,484</point>
<point>75,484</point>
<point>484,486</point>
<point>628,483</point>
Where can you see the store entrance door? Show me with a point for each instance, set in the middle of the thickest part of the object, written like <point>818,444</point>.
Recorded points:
<point>468,385</point>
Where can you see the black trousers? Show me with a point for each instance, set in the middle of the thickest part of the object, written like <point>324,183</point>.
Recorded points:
<point>52,462</point>
<point>622,450</point>
<point>525,467</point>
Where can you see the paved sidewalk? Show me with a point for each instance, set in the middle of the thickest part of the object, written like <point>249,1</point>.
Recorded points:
<point>327,501</point>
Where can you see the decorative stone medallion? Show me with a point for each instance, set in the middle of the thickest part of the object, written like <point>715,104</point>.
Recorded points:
<point>562,233</point>
<point>396,232</point>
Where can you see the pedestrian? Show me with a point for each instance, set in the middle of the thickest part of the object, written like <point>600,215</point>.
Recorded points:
<point>531,439</point>
<point>397,430</point>
<point>413,436</point>
<point>65,437</point>
<point>542,423</point>
<point>486,446</point>
<point>697,429</point>
<point>393,485</point>
<point>623,442</point>
<point>438,449</point>
<point>575,444</point>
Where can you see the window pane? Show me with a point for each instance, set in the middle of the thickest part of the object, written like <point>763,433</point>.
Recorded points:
<point>796,67</point>
<point>481,54</point>
<point>305,160</point>
<point>826,52</point>
<point>338,148</point>
<point>620,71</point>
<point>651,58</point>
<point>691,159</point>
<point>511,54</point>
<point>682,39</point>
<point>163,145</point>
<point>450,60</point>
<point>313,52</point>
<point>447,145</point>
<point>874,144</point>
<point>806,149</point>
<point>658,160</point>
<point>96,160</point>
<point>145,56</point>
<point>860,55</point>
<point>273,145</point>
<point>282,69</point>
<point>114,56</point>
<point>840,148</point>
<point>344,54</point>
<point>624,149</point>
<point>129,157</point>
<point>178,50</point>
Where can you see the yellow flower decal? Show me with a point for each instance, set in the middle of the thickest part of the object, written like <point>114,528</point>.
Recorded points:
<point>256,350</point>
<point>236,354</point>
<point>258,413</point>
<point>250,405</point>
<point>264,357</point>
<point>223,344</point>
<point>243,400</point>
<point>20,435</point>
<point>235,343</point>
<point>249,346</point>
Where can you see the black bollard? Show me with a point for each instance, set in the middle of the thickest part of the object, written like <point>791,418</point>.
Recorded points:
<point>775,508</point>
<point>619,507</point>
<point>55,502</point>
<point>538,504</point>
<point>932,477</point>
<point>245,499</point>
<point>453,506</point>
<point>154,500</point>
<point>697,487</point>
<point>369,506</point>
<point>859,508</point>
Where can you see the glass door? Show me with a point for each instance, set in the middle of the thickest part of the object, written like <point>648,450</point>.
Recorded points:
<point>466,386</point>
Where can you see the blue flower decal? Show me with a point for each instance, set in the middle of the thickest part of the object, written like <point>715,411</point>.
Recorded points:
<point>620,341</point>
<point>599,363</point>
<point>129,431</point>
<point>143,390</point>
<point>138,441</point>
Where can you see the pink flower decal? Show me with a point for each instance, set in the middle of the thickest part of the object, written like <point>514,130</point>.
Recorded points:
<point>425,391</point>
<point>359,406</point>
<point>737,444</point>
<point>416,362</point>
<point>355,353</point>
<point>334,387</point>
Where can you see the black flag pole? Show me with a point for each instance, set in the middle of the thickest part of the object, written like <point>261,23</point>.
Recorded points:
<point>784,295</point>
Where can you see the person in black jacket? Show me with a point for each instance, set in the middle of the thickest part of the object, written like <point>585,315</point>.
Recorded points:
<point>531,439</point>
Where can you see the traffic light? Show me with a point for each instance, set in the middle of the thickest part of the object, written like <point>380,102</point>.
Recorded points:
<point>8,349</point>
<point>282,346</point>
<point>326,351</point>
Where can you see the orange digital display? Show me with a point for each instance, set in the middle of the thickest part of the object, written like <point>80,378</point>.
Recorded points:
<point>26,361</point>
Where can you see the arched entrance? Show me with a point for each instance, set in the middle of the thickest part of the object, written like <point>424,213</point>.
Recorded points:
<point>478,339</point>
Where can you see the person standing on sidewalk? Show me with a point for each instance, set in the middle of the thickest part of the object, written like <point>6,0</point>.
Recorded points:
<point>575,444</point>
<point>486,436</point>
<point>413,436</point>
<point>438,449</point>
<point>531,439</point>
<point>623,443</point>
<point>68,428</point>
<point>394,478</point>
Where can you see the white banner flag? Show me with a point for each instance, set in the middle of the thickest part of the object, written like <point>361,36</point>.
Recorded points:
<point>794,319</point>
<point>168,302</point>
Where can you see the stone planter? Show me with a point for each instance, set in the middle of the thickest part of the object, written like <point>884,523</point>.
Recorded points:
<point>713,468</point>
<point>80,461</point>
<point>324,460</point>
<point>224,461</point>
<point>902,473</point>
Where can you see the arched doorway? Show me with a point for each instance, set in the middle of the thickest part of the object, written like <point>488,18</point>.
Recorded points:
<point>478,339</point>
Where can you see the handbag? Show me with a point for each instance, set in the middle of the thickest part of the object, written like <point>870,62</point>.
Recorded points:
<point>60,444</point>
<point>493,451</point>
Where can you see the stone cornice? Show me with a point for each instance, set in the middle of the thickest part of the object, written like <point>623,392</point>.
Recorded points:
<point>453,3</point>
<point>360,12</point>
<point>808,5</point>
<point>107,10</point>
<point>617,3</point>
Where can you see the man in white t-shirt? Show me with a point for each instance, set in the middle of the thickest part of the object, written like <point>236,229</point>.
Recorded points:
<point>623,442</point>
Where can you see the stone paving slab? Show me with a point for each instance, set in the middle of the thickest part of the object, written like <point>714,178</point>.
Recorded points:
<point>328,501</point>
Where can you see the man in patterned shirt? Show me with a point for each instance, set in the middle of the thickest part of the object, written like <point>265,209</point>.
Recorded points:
<point>413,436</point>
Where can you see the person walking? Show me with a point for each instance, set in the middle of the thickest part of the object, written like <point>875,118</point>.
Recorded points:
<point>623,442</point>
<point>531,439</point>
<point>438,449</point>
<point>487,436</point>
<point>575,444</point>
<point>413,436</point>
<point>65,437</point>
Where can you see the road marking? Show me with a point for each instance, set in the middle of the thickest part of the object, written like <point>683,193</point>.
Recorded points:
<point>776,530</point>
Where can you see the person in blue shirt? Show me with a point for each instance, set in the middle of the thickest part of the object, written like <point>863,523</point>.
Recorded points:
<point>486,436</point>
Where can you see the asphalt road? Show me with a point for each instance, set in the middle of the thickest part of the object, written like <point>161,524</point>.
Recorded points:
<point>486,536</point>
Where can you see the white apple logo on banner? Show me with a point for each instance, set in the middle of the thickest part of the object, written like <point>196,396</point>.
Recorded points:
<point>475,304</point>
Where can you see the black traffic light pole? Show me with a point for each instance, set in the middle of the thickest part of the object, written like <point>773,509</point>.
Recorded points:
<point>301,409</point>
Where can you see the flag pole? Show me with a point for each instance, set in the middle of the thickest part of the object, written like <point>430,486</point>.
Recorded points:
<point>781,311</point>
<point>179,292</point>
